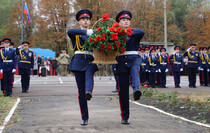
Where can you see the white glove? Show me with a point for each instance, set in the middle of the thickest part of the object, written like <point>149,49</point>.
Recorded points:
<point>149,71</point>
<point>181,69</point>
<point>21,46</point>
<point>156,71</point>
<point>208,70</point>
<point>166,70</point>
<point>174,53</point>
<point>13,70</point>
<point>1,71</point>
<point>199,68</point>
<point>146,70</point>
<point>159,70</point>
<point>89,32</point>
<point>188,49</point>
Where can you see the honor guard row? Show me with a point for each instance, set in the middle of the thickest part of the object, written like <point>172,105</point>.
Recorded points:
<point>8,63</point>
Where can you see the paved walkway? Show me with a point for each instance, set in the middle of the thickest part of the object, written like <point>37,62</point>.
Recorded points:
<point>51,106</point>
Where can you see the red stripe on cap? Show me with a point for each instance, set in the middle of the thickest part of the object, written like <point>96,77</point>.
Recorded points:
<point>124,16</point>
<point>85,14</point>
<point>6,41</point>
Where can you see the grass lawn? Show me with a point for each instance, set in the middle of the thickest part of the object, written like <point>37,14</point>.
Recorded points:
<point>6,104</point>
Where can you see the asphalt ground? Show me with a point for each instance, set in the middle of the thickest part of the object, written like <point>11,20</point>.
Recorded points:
<point>51,106</point>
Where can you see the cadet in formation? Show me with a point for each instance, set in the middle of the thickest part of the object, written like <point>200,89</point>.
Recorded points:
<point>177,65</point>
<point>7,66</point>
<point>193,64</point>
<point>81,63</point>
<point>204,60</point>
<point>25,65</point>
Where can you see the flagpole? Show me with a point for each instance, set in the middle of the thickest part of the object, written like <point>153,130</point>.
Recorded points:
<point>22,23</point>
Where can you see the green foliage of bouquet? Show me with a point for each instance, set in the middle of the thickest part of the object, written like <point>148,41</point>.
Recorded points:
<point>108,36</point>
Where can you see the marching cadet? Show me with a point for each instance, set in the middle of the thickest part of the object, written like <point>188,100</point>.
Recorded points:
<point>2,80</point>
<point>204,65</point>
<point>81,63</point>
<point>177,65</point>
<point>152,68</point>
<point>12,46</point>
<point>25,65</point>
<point>199,70</point>
<point>7,66</point>
<point>158,47</point>
<point>163,67</point>
<point>128,65</point>
<point>143,67</point>
<point>193,64</point>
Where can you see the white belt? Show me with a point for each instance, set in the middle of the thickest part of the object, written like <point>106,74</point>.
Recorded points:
<point>7,60</point>
<point>163,63</point>
<point>153,65</point>
<point>177,63</point>
<point>143,64</point>
<point>203,62</point>
<point>129,53</point>
<point>83,52</point>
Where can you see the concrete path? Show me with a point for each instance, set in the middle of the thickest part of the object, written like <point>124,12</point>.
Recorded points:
<point>51,106</point>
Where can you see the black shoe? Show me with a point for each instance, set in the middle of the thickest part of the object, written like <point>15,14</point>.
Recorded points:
<point>26,91</point>
<point>176,86</point>
<point>23,91</point>
<point>137,94</point>
<point>9,95</point>
<point>194,87</point>
<point>88,95</point>
<point>179,87</point>
<point>190,86</point>
<point>114,91</point>
<point>84,122</point>
<point>124,121</point>
<point>5,95</point>
<point>164,87</point>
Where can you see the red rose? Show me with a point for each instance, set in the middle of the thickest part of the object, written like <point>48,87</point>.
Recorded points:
<point>114,47</point>
<point>115,25</point>
<point>124,41</point>
<point>98,38</point>
<point>103,37</point>
<point>91,40</point>
<point>114,36</point>
<point>119,30</point>
<point>112,29</point>
<point>105,17</point>
<point>122,50</point>
<point>99,28</point>
<point>102,46</point>
<point>123,32</point>
<point>129,31</point>
<point>118,43</point>
<point>109,46</point>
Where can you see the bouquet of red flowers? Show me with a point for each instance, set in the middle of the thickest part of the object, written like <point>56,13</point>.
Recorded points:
<point>108,36</point>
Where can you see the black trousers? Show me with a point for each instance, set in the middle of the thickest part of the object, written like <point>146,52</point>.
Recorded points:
<point>8,77</point>
<point>192,76</point>
<point>25,78</point>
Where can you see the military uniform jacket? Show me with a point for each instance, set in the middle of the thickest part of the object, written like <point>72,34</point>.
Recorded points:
<point>208,61</point>
<point>163,62</point>
<point>79,62</point>
<point>193,59</point>
<point>26,58</point>
<point>177,62</point>
<point>7,60</point>
<point>204,61</point>
<point>153,62</point>
<point>132,44</point>
<point>144,63</point>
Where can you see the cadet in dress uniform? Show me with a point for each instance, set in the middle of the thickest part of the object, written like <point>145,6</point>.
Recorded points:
<point>199,70</point>
<point>204,65</point>
<point>2,80</point>
<point>81,63</point>
<point>163,67</point>
<point>143,67</point>
<point>192,65</point>
<point>177,65</point>
<point>25,65</point>
<point>12,46</point>
<point>7,66</point>
<point>128,65</point>
<point>152,68</point>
